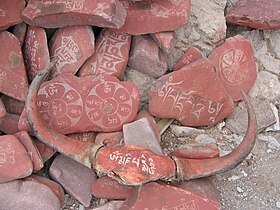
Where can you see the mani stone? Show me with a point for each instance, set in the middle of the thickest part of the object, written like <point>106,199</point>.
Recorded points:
<point>86,136</point>
<point>108,188</point>
<point>74,177</point>
<point>35,51</point>
<point>155,195</point>
<point>9,123</point>
<point>14,160</point>
<point>20,31</point>
<point>60,13</point>
<point>70,47</point>
<point>2,109</point>
<point>19,195</point>
<point>235,64</point>
<point>110,55</point>
<point>111,139</point>
<point>45,151</point>
<point>72,104</point>
<point>193,95</point>
<point>263,14</point>
<point>147,57</point>
<point>165,40</point>
<point>12,105</point>
<point>12,71</point>
<point>10,13</point>
<point>155,16</point>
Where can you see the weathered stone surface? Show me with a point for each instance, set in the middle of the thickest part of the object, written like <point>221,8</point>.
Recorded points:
<point>272,142</point>
<point>108,188</point>
<point>70,47</point>
<point>19,31</point>
<point>156,16</point>
<point>171,197</point>
<point>235,65</point>
<point>14,160</point>
<point>110,56</point>
<point>192,54</point>
<point>45,151</point>
<point>193,95</point>
<point>30,195</point>
<point>111,205</point>
<point>263,14</point>
<point>74,177</point>
<point>275,126</point>
<point>111,139</point>
<point>146,57</point>
<point>23,124</point>
<point>9,123</point>
<point>12,105</point>
<point>31,149</point>
<point>100,104</point>
<point>2,109</point>
<point>12,72</point>
<point>86,136</point>
<point>165,40</point>
<point>141,133</point>
<point>237,121</point>
<point>205,139</point>
<point>10,12</point>
<point>183,131</point>
<point>35,51</point>
<point>57,14</point>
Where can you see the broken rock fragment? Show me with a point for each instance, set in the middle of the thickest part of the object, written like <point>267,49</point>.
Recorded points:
<point>165,40</point>
<point>9,123</point>
<point>45,151</point>
<point>12,105</point>
<point>2,109</point>
<point>20,31</point>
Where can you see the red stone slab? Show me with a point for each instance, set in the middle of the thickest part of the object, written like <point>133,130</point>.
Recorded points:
<point>111,139</point>
<point>12,71</point>
<point>23,124</point>
<point>35,51</point>
<point>155,16</point>
<point>31,149</point>
<point>86,136</point>
<point>165,40</point>
<point>10,13</point>
<point>261,14</point>
<point>235,65</point>
<point>8,123</point>
<point>192,54</point>
<point>100,104</point>
<point>19,31</point>
<point>60,13</point>
<point>45,151</point>
<point>14,160</point>
<point>110,56</point>
<point>193,95</point>
<point>108,188</point>
<point>71,46</point>
<point>12,105</point>
<point>2,109</point>
<point>167,197</point>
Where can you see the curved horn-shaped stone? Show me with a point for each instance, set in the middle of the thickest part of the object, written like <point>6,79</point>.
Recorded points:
<point>196,168</point>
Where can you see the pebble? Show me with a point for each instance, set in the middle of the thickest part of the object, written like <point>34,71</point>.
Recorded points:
<point>239,189</point>
<point>278,204</point>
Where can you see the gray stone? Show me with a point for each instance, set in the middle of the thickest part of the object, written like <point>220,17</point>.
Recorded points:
<point>205,139</point>
<point>74,177</point>
<point>275,126</point>
<point>237,121</point>
<point>183,131</point>
<point>230,5</point>
<point>272,142</point>
<point>112,205</point>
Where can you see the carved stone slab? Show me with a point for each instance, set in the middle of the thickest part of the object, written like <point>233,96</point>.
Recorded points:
<point>71,46</point>
<point>165,40</point>
<point>235,64</point>
<point>13,78</point>
<point>86,136</point>
<point>35,51</point>
<point>193,95</point>
<point>110,56</point>
<point>8,123</point>
<point>45,151</point>
<point>111,139</point>
<point>2,109</point>
<point>155,16</point>
<point>20,31</point>
<point>72,104</point>
<point>57,13</point>
<point>14,160</point>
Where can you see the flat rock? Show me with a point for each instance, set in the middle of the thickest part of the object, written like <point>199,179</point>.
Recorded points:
<point>9,123</point>
<point>193,95</point>
<point>10,13</point>
<point>18,195</point>
<point>192,54</point>
<point>101,103</point>
<point>165,40</point>
<point>12,105</point>
<point>108,188</point>
<point>45,151</point>
<point>272,142</point>
<point>86,136</point>
<point>146,57</point>
<point>70,47</point>
<point>14,160</point>
<point>110,56</point>
<point>111,139</point>
<point>35,51</point>
<point>74,177</point>
<point>2,109</point>
<point>155,16</point>
<point>205,139</point>
<point>111,205</point>
<point>20,31</point>
<point>235,64</point>
<point>12,71</point>
<point>183,131</point>
<point>57,14</point>
<point>263,14</point>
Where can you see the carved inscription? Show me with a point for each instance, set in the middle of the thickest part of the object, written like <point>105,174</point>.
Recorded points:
<point>73,5</point>
<point>190,205</point>
<point>7,155</point>
<point>2,13</point>
<point>3,77</point>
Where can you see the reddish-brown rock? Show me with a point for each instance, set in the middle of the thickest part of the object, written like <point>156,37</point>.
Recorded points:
<point>35,51</point>
<point>108,188</point>
<point>12,105</point>
<point>31,149</point>
<point>14,160</point>
<point>70,47</point>
<point>155,16</point>
<point>235,65</point>
<point>23,124</point>
<point>192,54</point>
<point>45,151</point>
<point>60,13</point>
<point>165,40</point>
<point>2,109</point>
<point>9,123</point>
<point>10,13</point>
<point>86,136</point>
<point>110,139</point>
<point>110,56</point>
<point>261,14</point>
<point>100,104</point>
<point>13,78</point>
<point>19,31</point>
<point>193,95</point>
<point>146,57</point>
